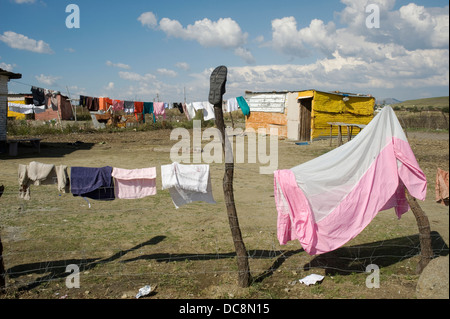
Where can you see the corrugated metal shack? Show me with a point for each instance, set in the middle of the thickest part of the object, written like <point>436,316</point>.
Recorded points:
<point>304,115</point>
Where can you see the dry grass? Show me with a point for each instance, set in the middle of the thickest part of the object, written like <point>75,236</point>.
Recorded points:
<point>122,245</point>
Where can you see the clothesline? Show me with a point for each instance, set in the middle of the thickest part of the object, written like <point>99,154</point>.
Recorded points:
<point>41,96</point>
<point>186,183</point>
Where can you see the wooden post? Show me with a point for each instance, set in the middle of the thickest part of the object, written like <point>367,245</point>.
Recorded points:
<point>2,266</point>
<point>244,276</point>
<point>241,251</point>
<point>339,135</point>
<point>426,251</point>
<point>2,269</point>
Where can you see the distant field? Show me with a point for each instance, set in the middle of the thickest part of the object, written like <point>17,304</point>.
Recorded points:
<point>434,102</point>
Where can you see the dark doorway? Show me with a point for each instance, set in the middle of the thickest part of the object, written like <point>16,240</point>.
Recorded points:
<point>305,119</point>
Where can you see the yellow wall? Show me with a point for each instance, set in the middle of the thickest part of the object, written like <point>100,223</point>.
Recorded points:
<point>18,116</point>
<point>327,107</point>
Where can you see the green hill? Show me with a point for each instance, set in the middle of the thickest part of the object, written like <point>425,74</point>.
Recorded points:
<point>432,102</point>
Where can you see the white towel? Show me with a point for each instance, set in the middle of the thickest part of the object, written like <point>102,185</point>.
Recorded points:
<point>187,183</point>
<point>232,105</point>
<point>197,105</point>
<point>208,111</point>
<point>191,110</point>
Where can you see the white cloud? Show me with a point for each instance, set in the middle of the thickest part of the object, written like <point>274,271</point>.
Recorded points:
<point>118,65</point>
<point>148,19</point>
<point>167,72</point>
<point>287,39</point>
<point>47,79</point>
<point>7,66</point>
<point>24,1</point>
<point>411,27</point>
<point>22,42</point>
<point>245,54</point>
<point>110,86</point>
<point>133,76</point>
<point>183,66</point>
<point>225,32</point>
<point>70,50</point>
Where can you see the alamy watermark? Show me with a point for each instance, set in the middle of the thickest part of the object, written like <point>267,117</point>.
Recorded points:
<point>373,280</point>
<point>73,280</point>
<point>373,19</point>
<point>73,19</point>
<point>261,147</point>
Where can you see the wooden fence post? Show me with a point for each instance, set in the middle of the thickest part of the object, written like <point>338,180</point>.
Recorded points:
<point>2,269</point>
<point>2,266</point>
<point>426,250</point>
<point>244,276</point>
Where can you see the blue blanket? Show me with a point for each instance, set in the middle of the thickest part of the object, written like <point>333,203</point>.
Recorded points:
<point>92,182</point>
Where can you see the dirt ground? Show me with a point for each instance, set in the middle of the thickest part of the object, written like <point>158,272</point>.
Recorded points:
<point>123,245</point>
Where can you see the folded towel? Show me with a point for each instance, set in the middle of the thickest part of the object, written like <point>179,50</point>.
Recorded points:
<point>187,183</point>
<point>92,182</point>
<point>134,183</point>
<point>41,174</point>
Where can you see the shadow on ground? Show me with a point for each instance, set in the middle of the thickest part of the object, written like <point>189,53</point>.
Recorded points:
<point>47,149</point>
<point>345,260</point>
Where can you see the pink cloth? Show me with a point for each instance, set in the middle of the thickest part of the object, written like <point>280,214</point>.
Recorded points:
<point>158,109</point>
<point>117,105</point>
<point>380,188</point>
<point>134,183</point>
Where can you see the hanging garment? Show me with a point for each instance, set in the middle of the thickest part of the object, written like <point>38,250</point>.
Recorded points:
<point>185,111</point>
<point>128,107</point>
<point>329,200</point>
<point>232,105</point>
<point>37,173</point>
<point>95,104</point>
<point>158,109</point>
<point>117,105</point>
<point>441,187</point>
<point>38,96</point>
<point>54,100</point>
<point>190,110</point>
<point>148,109</point>
<point>187,183</point>
<point>90,104</point>
<point>138,109</point>
<point>41,174</point>
<point>179,107</point>
<point>208,111</point>
<point>243,105</point>
<point>24,182</point>
<point>197,106</point>
<point>92,182</point>
<point>104,103</point>
<point>82,101</point>
<point>134,183</point>
<point>63,178</point>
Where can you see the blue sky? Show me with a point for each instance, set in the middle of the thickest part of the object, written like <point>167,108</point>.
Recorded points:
<point>143,49</point>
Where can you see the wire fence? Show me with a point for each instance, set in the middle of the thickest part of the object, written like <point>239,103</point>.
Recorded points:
<point>126,242</point>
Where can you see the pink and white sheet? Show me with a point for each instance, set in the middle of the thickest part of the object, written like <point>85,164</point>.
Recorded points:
<point>329,200</point>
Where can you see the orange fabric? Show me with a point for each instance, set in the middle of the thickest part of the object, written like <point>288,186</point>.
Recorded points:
<point>138,107</point>
<point>442,195</point>
<point>102,106</point>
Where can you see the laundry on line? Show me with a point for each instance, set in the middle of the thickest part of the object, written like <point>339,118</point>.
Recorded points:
<point>186,183</point>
